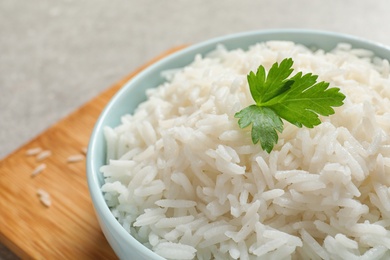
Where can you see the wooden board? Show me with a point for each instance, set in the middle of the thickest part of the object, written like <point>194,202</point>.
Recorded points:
<point>68,229</point>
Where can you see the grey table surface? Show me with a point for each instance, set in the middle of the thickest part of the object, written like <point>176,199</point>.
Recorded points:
<point>57,55</point>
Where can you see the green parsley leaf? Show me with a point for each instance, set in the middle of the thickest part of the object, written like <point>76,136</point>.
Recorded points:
<point>299,100</point>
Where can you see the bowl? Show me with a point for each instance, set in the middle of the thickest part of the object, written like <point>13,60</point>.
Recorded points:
<point>133,92</point>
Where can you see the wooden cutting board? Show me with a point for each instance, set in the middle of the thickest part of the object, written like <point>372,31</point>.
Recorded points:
<point>68,229</point>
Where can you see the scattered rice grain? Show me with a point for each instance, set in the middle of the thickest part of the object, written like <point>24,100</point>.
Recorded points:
<point>33,151</point>
<point>75,158</point>
<point>44,197</point>
<point>38,169</point>
<point>43,155</point>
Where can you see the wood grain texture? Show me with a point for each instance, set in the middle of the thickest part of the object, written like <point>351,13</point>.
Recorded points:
<point>68,229</point>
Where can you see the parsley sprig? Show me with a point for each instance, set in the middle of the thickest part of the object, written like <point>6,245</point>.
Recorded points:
<point>298,99</point>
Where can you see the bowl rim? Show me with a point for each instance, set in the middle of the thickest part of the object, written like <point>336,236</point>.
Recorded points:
<point>99,204</point>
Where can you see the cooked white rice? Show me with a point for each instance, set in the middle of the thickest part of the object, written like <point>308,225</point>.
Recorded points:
<point>184,180</point>
<point>40,168</point>
<point>75,158</point>
<point>33,151</point>
<point>43,155</point>
<point>44,197</point>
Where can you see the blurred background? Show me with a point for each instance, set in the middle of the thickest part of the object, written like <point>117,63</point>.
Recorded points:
<point>57,55</point>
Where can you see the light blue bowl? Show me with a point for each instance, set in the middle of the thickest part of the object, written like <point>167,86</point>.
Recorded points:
<point>133,92</point>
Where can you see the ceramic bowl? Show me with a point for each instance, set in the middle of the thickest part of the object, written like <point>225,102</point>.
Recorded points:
<point>133,92</point>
